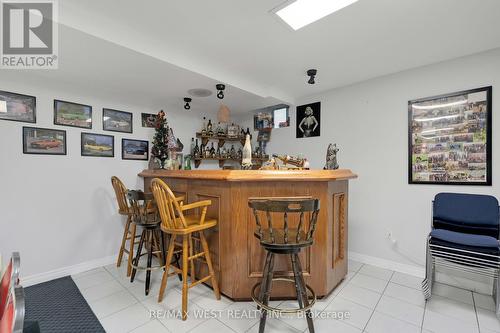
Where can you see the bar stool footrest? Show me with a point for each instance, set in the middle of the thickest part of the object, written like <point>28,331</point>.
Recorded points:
<point>284,310</point>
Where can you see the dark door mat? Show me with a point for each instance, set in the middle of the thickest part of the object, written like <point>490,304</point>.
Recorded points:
<point>58,306</point>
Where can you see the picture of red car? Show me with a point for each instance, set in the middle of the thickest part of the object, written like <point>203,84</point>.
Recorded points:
<point>46,144</point>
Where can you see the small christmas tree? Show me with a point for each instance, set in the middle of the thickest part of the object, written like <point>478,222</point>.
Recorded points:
<point>160,140</point>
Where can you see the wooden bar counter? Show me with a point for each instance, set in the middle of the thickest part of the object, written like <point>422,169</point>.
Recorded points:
<point>236,254</point>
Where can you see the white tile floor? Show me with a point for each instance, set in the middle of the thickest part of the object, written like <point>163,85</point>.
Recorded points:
<point>378,301</point>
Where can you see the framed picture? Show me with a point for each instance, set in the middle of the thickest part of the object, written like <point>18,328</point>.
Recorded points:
<point>17,107</point>
<point>72,114</point>
<point>264,135</point>
<point>148,120</point>
<point>135,150</point>
<point>233,131</point>
<point>263,120</point>
<point>449,138</point>
<point>98,145</point>
<point>116,121</point>
<point>308,120</point>
<point>44,141</point>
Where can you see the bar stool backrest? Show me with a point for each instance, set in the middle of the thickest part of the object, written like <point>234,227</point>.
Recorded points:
<point>170,211</point>
<point>287,206</point>
<point>142,207</point>
<point>120,191</point>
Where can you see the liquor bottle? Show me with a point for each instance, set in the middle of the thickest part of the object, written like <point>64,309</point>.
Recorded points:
<point>204,128</point>
<point>207,151</point>
<point>196,150</point>
<point>248,133</point>
<point>218,154</point>
<point>232,152</point>
<point>212,151</point>
<point>286,159</point>
<point>220,130</point>
<point>210,131</point>
<point>247,153</point>
<point>191,148</point>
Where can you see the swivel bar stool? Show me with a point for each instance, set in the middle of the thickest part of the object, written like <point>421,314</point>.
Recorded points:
<point>284,240</point>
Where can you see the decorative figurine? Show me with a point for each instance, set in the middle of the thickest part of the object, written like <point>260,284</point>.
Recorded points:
<point>212,151</point>
<point>246,162</point>
<point>331,157</point>
<point>220,130</point>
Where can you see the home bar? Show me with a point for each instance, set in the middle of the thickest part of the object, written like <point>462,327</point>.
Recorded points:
<point>237,257</point>
<point>270,166</point>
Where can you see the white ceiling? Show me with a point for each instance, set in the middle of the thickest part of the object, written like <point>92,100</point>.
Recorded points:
<point>153,51</point>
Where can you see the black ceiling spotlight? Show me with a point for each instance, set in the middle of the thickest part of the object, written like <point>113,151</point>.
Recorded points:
<point>220,90</point>
<point>187,100</point>
<point>312,74</point>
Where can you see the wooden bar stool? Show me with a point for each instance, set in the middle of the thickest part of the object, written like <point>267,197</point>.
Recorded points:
<point>129,233</point>
<point>284,240</point>
<point>175,223</point>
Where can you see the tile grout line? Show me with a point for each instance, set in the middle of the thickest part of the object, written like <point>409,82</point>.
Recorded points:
<point>383,291</point>
<point>475,312</point>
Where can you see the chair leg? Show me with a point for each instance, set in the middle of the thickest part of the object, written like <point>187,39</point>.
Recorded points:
<point>191,251</point>
<point>300,287</point>
<point>176,256</point>
<point>497,296</point>
<point>163,260</point>
<point>138,255</point>
<point>267,293</point>
<point>263,283</point>
<point>185,254</point>
<point>215,285</point>
<point>429,274</point>
<point>164,278</point>
<point>131,249</point>
<point>124,240</point>
<point>150,249</point>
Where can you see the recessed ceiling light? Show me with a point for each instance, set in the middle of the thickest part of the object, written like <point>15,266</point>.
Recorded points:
<point>300,13</point>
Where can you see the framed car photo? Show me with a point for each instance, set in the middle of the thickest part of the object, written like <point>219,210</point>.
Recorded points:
<point>449,138</point>
<point>72,114</point>
<point>44,141</point>
<point>135,150</point>
<point>98,145</point>
<point>116,121</point>
<point>17,107</point>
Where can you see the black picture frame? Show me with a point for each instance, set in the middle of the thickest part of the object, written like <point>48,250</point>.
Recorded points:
<point>4,107</point>
<point>100,149</point>
<point>463,145</point>
<point>301,116</point>
<point>148,120</point>
<point>58,102</point>
<point>115,120</point>
<point>45,142</point>
<point>126,152</point>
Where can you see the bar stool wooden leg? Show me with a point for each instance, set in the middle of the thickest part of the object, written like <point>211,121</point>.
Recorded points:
<point>215,285</point>
<point>263,283</point>
<point>191,251</point>
<point>124,240</point>
<point>300,287</point>
<point>150,249</point>
<point>185,254</point>
<point>138,255</point>
<point>131,249</point>
<point>267,293</point>
<point>164,278</point>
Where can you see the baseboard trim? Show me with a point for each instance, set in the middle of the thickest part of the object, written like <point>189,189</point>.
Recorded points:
<point>388,264</point>
<point>69,270</point>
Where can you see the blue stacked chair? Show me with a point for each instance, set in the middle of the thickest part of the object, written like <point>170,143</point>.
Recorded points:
<point>465,237</point>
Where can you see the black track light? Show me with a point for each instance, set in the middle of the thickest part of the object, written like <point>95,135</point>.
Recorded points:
<point>220,90</point>
<point>187,100</point>
<point>311,73</point>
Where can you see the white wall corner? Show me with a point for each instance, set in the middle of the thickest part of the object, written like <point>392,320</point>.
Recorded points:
<point>418,271</point>
<point>65,271</point>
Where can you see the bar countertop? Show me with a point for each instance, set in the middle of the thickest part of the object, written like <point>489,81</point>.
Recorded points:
<point>253,175</point>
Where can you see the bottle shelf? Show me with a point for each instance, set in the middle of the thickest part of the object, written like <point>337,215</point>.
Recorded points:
<point>222,161</point>
<point>221,139</point>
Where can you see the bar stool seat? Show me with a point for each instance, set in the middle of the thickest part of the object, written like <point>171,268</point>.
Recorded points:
<point>284,240</point>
